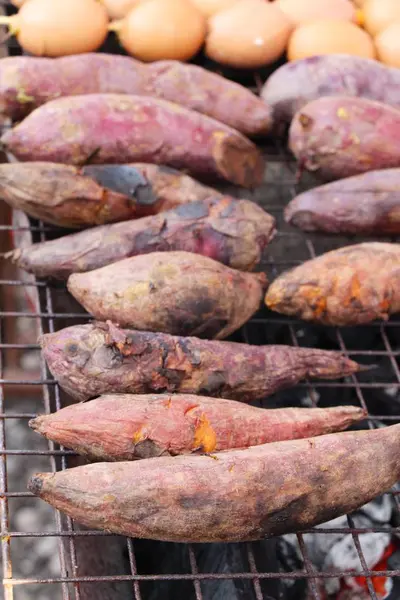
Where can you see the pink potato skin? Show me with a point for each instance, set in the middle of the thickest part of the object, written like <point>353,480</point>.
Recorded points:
<point>339,137</point>
<point>101,358</point>
<point>127,427</point>
<point>237,495</point>
<point>113,128</point>
<point>233,232</point>
<point>28,82</point>
<point>173,292</point>
<point>297,83</point>
<point>367,204</point>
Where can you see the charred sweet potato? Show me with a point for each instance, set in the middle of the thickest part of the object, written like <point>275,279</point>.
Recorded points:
<point>235,496</point>
<point>175,292</point>
<point>297,83</point>
<point>233,232</point>
<point>80,197</point>
<point>126,427</point>
<point>339,137</point>
<point>113,128</point>
<point>363,204</point>
<point>28,82</point>
<point>349,286</point>
<point>101,358</point>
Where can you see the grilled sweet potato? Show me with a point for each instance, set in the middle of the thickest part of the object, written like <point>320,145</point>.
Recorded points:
<point>297,83</point>
<point>28,82</point>
<point>126,427</point>
<point>339,137</point>
<point>349,286</point>
<point>363,204</point>
<point>113,128</point>
<point>175,292</point>
<point>101,358</point>
<point>238,495</point>
<point>80,197</point>
<point>233,232</point>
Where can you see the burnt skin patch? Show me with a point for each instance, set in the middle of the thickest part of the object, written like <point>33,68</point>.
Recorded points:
<point>192,210</point>
<point>193,501</point>
<point>214,384</point>
<point>149,449</point>
<point>122,179</point>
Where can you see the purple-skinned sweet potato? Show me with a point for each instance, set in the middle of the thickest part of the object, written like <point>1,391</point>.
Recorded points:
<point>233,232</point>
<point>28,82</point>
<point>77,197</point>
<point>339,137</point>
<point>349,286</point>
<point>366,204</point>
<point>299,82</point>
<point>173,292</point>
<point>101,358</point>
<point>126,427</point>
<point>234,496</point>
<point>113,128</point>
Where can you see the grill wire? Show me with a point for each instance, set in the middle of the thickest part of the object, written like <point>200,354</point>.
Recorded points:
<point>381,349</point>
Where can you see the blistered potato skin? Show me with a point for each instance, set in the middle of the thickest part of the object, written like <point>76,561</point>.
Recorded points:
<point>234,496</point>
<point>339,137</point>
<point>101,358</point>
<point>116,128</point>
<point>233,232</point>
<point>350,286</point>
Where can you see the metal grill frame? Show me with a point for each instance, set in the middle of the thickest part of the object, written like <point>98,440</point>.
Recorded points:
<point>47,318</point>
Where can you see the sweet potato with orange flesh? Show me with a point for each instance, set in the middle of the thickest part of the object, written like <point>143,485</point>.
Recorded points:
<point>349,286</point>
<point>28,82</point>
<point>80,197</point>
<point>363,204</point>
<point>233,232</point>
<point>174,292</point>
<point>113,128</point>
<point>234,496</point>
<point>101,358</point>
<point>338,137</point>
<point>126,427</point>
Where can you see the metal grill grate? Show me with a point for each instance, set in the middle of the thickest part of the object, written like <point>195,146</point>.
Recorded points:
<point>377,344</point>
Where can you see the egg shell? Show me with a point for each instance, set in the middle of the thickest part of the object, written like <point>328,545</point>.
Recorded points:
<point>379,14</point>
<point>304,11</point>
<point>388,45</point>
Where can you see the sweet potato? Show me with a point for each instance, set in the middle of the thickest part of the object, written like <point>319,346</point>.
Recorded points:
<point>101,358</point>
<point>80,197</point>
<point>339,137</point>
<point>126,427</point>
<point>233,232</point>
<point>297,83</point>
<point>112,128</point>
<point>28,82</point>
<point>363,204</point>
<point>238,495</point>
<point>349,286</point>
<point>175,292</point>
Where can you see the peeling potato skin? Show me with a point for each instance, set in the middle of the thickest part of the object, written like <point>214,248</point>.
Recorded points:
<point>127,427</point>
<point>77,197</point>
<point>233,232</point>
<point>235,496</point>
<point>175,292</point>
<point>28,82</point>
<point>101,358</point>
<point>297,83</point>
<point>209,93</point>
<point>339,137</point>
<point>367,204</point>
<point>350,286</point>
<point>115,128</point>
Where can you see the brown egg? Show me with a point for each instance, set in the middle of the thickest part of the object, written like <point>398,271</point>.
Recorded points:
<point>379,14</point>
<point>60,27</point>
<point>250,34</point>
<point>211,7</point>
<point>329,37</point>
<point>303,11</point>
<point>387,45</point>
<point>118,9</point>
<point>162,29</point>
